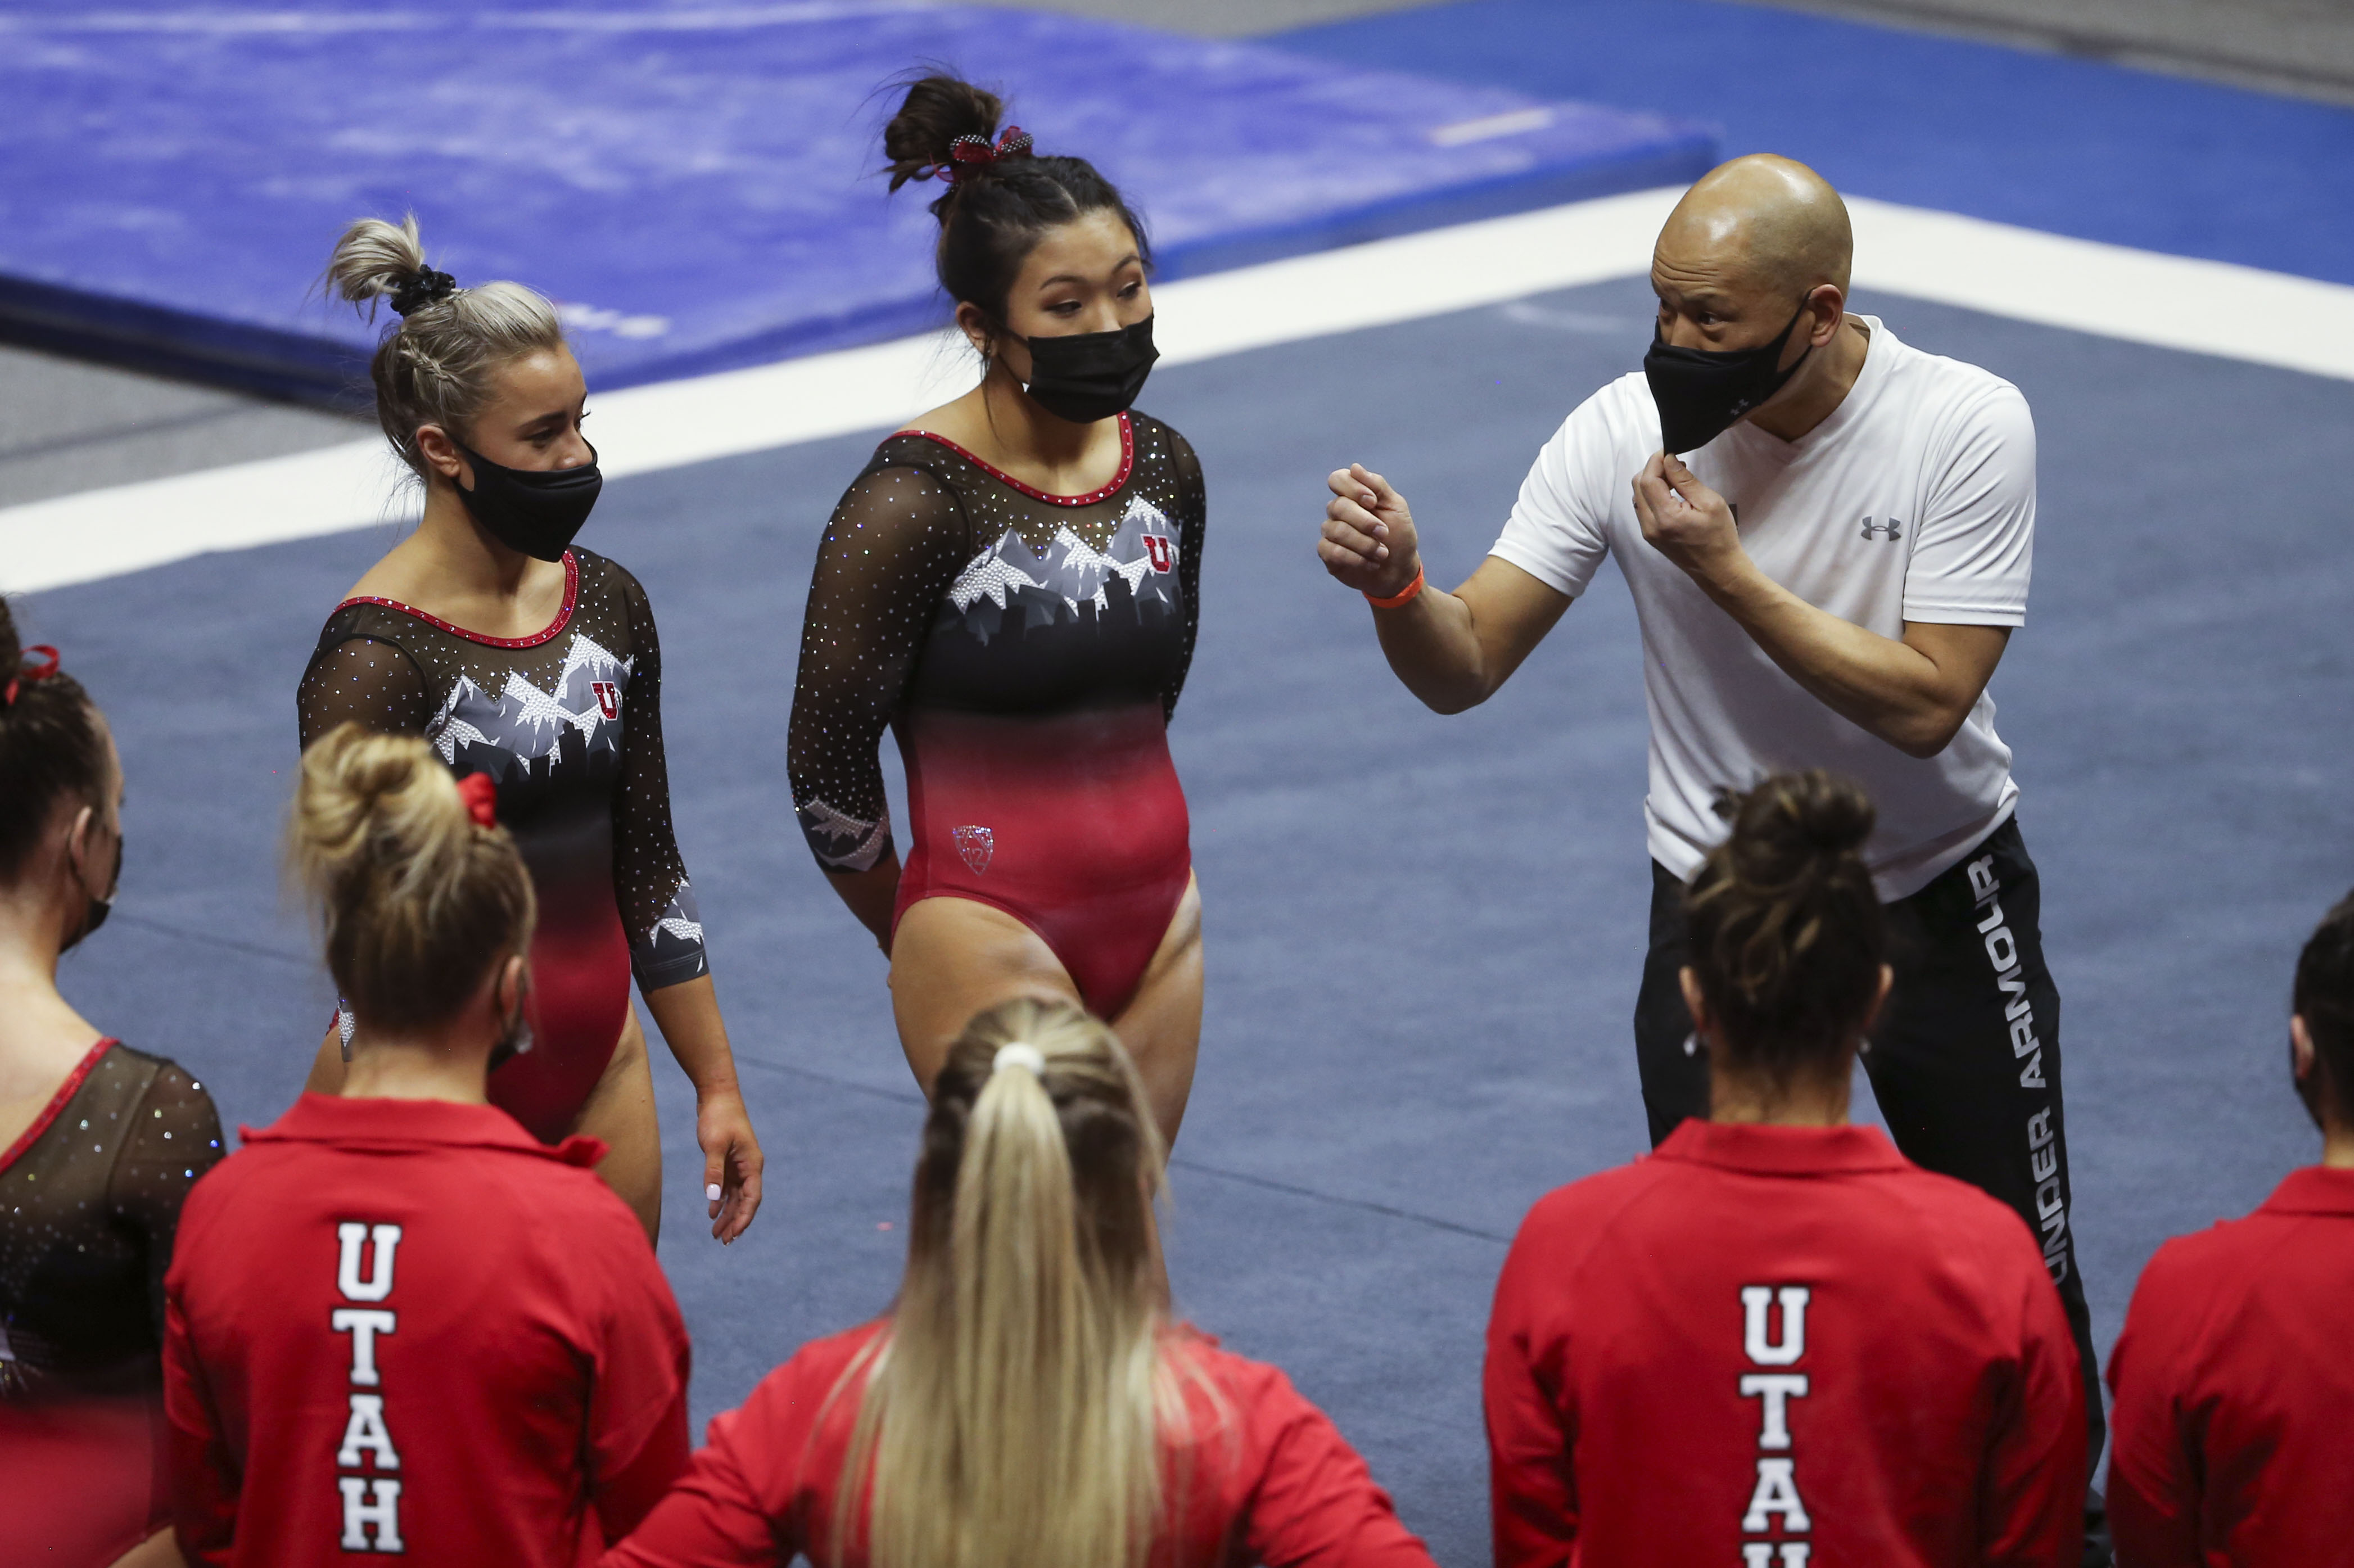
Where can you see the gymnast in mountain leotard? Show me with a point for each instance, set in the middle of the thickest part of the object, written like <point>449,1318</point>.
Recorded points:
<point>1011,586</point>
<point>536,665</point>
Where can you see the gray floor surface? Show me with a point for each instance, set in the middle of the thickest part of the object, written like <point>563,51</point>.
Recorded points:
<point>67,427</point>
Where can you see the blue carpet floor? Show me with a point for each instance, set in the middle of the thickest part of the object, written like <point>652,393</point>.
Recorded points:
<point>2069,145</point>
<point>1424,934</point>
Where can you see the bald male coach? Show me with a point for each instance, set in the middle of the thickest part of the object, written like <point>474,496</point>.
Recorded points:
<point>1826,579</point>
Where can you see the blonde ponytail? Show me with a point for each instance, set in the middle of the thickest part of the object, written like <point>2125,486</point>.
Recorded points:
<point>437,365</point>
<point>1016,1413</point>
<point>418,899</point>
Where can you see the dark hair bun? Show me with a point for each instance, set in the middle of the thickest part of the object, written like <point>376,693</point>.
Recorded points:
<point>936,111</point>
<point>1784,926</point>
<point>991,224</point>
<point>11,651</point>
<point>1794,823</point>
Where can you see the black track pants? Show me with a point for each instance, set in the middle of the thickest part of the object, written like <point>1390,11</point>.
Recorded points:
<point>1965,1065</point>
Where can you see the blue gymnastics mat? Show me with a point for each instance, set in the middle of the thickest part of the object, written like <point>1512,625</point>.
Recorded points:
<point>695,185</point>
<point>2067,145</point>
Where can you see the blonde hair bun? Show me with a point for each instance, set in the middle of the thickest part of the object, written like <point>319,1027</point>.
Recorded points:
<point>374,259</point>
<point>438,365</point>
<point>417,900</point>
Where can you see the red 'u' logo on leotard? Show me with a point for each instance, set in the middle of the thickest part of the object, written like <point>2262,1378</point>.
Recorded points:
<point>1156,550</point>
<point>609,698</point>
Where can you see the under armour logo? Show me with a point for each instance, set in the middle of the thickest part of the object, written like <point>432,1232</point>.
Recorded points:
<point>1891,529</point>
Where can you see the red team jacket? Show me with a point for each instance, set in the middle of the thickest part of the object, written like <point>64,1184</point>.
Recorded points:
<point>2235,1384</point>
<point>1763,1346</point>
<point>407,1326</point>
<point>1289,1489</point>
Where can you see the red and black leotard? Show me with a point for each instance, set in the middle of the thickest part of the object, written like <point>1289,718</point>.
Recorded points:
<point>1027,649</point>
<point>568,723</point>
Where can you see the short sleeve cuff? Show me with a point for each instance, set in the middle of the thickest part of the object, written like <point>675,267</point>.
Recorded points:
<point>672,953</point>
<point>1929,613</point>
<point>1534,563</point>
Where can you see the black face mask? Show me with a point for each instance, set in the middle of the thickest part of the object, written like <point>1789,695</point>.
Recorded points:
<point>536,511</point>
<point>1090,376</point>
<point>1701,394</point>
<point>95,915</point>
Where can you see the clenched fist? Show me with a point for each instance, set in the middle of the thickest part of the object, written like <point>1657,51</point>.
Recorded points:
<point>1368,542</point>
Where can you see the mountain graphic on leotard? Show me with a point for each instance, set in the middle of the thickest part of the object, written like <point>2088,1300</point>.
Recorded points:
<point>1010,587</point>
<point>527,739</point>
<point>521,732</point>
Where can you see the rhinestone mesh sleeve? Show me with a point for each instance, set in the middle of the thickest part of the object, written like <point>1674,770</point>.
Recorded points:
<point>893,547</point>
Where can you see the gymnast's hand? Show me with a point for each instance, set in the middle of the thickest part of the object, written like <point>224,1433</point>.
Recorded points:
<point>1369,541</point>
<point>732,1162</point>
<point>1686,521</point>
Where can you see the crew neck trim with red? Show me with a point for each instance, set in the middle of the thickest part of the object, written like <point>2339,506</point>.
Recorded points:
<point>1782,1150</point>
<point>1127,466</point>
<point>2312,1190</point>
<point>562,617</point>
<point>66,1091</point>
<point>365,1123</point>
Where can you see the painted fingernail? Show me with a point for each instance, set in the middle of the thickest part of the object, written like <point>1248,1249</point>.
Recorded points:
<point>712,1191</point>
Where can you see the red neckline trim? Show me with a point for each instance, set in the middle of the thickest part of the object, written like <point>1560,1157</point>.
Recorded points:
<point>1127,466</point>
<point>562,617</point>
<point>66,1091</point>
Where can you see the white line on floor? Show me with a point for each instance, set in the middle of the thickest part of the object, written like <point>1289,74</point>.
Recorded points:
<point>2171,301</point>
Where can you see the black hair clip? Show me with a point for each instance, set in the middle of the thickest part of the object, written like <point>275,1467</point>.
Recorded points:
<point>423,287</point>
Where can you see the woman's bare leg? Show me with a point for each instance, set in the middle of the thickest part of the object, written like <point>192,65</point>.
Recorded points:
<point>620,1111</point>
<point>953,957</point>
<point>1162,1024</point>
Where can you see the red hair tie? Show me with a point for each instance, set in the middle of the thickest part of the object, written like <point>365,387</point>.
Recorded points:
<point>480,794</point>
<point>40,672</point>
<point>968,154</point>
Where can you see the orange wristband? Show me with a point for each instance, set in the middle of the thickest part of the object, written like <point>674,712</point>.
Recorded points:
<point>1405,596</point>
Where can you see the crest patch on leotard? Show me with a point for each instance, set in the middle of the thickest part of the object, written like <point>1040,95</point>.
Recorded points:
<point>976,844</point>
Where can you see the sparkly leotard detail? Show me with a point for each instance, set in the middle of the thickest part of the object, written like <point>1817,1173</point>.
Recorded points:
<point>568,724</point>
<point>1028,650</point>
<point>89,1197</point>
<point>89,1205</point>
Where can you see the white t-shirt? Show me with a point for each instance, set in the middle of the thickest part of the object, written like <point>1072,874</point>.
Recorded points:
<point>1914,500</point>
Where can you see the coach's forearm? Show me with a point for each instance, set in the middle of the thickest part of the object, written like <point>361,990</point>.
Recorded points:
<point>1434,649</point>
<point>1886,687</point>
